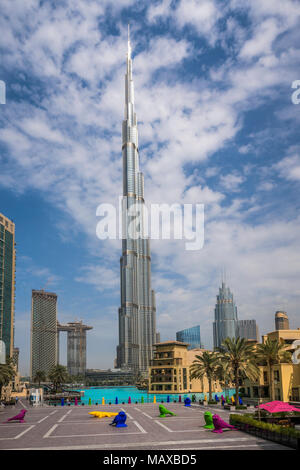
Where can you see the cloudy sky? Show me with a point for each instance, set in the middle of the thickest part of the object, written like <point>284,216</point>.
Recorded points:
<point>217,125</point>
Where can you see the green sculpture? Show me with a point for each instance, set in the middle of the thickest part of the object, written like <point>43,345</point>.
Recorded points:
<point>163,412</point>
<point>208,417</point>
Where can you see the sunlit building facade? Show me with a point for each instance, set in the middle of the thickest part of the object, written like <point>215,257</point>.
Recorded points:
<point>137,314</point>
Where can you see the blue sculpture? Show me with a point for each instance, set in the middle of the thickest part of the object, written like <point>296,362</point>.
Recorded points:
<point>187,401</point>
<point>168,399</point>
<point>119,420</point>
<point>240,401</point>
<point>62,402</point>
<point>117,401</point>
<point>217,398</point>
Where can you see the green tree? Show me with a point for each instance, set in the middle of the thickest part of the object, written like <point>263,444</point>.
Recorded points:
<point>58,375</point>
<point>39,377</point>
<point>238,359</point>
<point>270,353</point>
<point>205,365</point>
<point>7,373</point>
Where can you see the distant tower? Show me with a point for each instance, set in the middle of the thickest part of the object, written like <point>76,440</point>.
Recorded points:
<point>225,324</point>
<point>281,321</point>
<point>76,346</point>
<point>7,283</point>
<point>247,329</point>
<point>43,332</point>
<point>190,336</point>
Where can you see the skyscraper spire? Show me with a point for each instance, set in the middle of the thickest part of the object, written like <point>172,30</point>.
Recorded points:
<point>137,312</point>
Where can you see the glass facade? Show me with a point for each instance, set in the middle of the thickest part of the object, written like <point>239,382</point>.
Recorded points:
<point>225,324</point>
<point>190,336</point>
<point>7,283</point>
<point>137,313</point>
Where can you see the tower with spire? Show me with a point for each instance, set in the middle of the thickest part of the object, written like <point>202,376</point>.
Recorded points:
<point>137,314</point>
<point>226,320</point>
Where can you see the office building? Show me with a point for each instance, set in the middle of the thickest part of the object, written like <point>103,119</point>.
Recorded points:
<point>247,329</point>
<point>7,283</point>
<point>190,336</point>
<point>43,354</point>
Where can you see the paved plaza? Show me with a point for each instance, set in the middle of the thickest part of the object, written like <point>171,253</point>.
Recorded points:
<point>68,428</point>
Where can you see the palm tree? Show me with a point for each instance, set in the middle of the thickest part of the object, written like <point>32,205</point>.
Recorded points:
<point>7,373</point>
<point>270,353</point>
<point>205,365</point>
<point>239,360</point>
<point>39,377</point>
<point>58,375</point>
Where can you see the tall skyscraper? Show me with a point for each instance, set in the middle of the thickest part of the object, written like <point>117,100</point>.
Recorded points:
<point>247,329</point>
<point>281,321</point>
<point>43,332</point>
<point>225,324</point>
<point>137,314</point>
<point>7,283</point>
<point>190,336</point>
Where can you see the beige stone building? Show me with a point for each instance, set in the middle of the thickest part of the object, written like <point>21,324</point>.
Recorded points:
<point>286,376</point>
<point>169,371</point>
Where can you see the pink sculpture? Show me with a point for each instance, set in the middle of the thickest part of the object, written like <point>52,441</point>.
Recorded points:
<point>19,417</point>
<point>219,424</point>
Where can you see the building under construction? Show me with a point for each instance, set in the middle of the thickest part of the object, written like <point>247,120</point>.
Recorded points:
<point>76,346</point>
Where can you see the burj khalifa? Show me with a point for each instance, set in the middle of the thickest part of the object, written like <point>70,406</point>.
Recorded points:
<point>137,314</point>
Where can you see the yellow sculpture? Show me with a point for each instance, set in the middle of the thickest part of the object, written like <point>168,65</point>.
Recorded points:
<point>103,401</point>
<point>102,414</point>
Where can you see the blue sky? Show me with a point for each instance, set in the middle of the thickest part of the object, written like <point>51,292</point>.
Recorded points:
<point>216,126</point>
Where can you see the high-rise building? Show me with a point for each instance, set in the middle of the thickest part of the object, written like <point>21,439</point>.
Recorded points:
<point>76,346</point>
<point>225,324</point>
<point>247,329</point>
<point>137,314</point>
<point>281,321</point>
<point>7,283</point>
<point>43,332</point>
<point>191,336</point>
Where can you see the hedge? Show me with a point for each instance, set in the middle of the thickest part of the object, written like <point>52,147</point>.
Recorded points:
<point>288,431</point>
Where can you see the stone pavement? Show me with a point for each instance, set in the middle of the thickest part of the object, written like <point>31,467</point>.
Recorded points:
<point>68,428</point>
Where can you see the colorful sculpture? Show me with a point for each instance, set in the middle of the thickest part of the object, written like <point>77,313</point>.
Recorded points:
<point>168,399</point>
<point>205,398</point>
<point>208,417</point>
<point>187,401</point>
<point>90,402</point>
<point>240,401</point>
<point>163,411</point>
<point>129,400</point>
<point>19,417</point>
<point>117,401</point>
<point>179,399</point>
<point>217,398</point>
<point>219,424</point>
<point>76,401</point>
<point>119,420</point>
<point>154,399</point>
<point>102,414</point>
<point>142,400</point>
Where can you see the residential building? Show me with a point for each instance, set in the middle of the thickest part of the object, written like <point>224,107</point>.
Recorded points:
<point>43,354</point>
<point>169,371</point>
<point>281,321</point>
<point>286,376</point>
